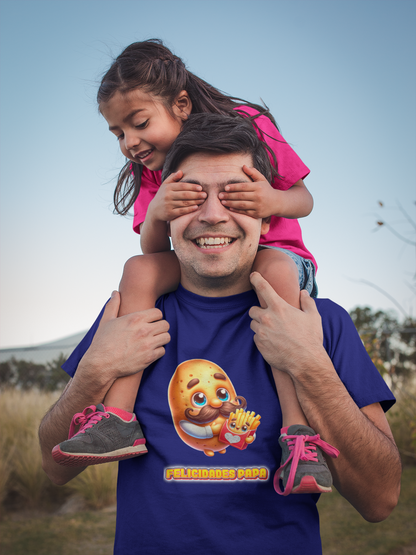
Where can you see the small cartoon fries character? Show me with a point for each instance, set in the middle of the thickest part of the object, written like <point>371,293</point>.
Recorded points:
<point>240,428</point>
<point>201,398</point>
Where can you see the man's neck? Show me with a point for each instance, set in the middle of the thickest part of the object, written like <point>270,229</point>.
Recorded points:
<point>216,287</point>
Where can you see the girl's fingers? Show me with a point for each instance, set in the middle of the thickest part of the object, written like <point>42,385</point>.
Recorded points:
<point>173,177</point>
<point>182,211</point>
<point>238,187</point>
<point>183,186</point>
<point>187,195</point>
<point>238,195</point>
<point>254,174</point>
<point>240,204</point>
<point>182,203</point>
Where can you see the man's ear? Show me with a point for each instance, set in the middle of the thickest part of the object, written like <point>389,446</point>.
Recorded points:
<point>182,105</point>
<point>265,225</point>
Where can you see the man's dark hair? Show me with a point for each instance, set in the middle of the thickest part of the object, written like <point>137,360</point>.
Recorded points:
<point>218,134</point>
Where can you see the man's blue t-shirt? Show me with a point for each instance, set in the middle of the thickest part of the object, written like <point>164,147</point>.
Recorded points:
<point>187,495</point>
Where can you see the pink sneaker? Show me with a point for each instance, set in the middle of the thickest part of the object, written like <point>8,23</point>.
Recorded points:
<point>104,435</point>
<point>303,468</point>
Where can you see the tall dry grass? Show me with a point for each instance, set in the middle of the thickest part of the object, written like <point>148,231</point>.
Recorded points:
<point>97,485</point>
<point>20,414</point>
<point>21,472</point>
<point>402,420</point>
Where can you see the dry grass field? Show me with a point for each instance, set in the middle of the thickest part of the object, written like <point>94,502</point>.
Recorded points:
<point>38,518</point>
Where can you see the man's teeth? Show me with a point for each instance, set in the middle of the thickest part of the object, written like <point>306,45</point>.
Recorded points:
<point>213,242</point>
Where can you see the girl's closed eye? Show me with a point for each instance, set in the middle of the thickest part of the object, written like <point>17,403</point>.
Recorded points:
<point>142,125</point>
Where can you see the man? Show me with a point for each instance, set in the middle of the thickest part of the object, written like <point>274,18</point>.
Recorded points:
<point>176,499</point>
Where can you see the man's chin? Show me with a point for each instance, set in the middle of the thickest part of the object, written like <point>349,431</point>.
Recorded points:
<point>217,283</point>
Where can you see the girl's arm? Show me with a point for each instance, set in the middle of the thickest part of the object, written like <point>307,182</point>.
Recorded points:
<point>154,236</point>
<point>174,198</point>
<point>259,199</point>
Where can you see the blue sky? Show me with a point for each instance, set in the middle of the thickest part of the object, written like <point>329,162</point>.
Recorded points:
<point>338,75</point>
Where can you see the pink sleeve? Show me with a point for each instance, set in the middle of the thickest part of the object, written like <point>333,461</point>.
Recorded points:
<point>289,166</point>
<point>149,186</point>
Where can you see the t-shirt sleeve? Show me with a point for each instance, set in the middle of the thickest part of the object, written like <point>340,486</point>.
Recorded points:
<point>71,364</point>
<point>150,183</point>
<point>289,165</point>
<point>350,359</point>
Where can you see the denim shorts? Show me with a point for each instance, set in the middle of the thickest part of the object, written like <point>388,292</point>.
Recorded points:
<point>306,269</point>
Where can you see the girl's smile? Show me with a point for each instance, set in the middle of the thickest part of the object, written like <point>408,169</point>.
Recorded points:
<point>143,125</point>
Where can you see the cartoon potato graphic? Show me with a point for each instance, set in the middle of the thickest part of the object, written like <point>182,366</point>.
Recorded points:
<point>201,398</point>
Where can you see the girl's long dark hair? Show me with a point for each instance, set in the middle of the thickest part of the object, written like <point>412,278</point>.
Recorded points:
<point>153,68</point>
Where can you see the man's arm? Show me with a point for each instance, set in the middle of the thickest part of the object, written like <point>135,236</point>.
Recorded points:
<point>121,347</point>
<point>368,470</point>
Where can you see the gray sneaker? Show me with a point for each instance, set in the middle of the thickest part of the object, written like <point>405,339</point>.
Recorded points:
<point>103,437</point>
<point>303,467</point>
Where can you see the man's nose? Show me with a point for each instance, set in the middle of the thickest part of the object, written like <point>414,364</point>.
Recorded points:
<point>212,211</point>
<point>215,403</point>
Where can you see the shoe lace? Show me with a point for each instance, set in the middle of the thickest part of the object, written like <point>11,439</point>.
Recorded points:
<point>301,448</point>
<point>86,419</point>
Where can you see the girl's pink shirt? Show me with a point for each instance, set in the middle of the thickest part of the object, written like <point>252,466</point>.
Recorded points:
<point>284,232</point>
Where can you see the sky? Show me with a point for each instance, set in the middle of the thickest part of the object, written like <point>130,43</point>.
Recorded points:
<point>338,75</point>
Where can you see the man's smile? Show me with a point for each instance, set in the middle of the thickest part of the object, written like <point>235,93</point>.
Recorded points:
<point>213,242</point>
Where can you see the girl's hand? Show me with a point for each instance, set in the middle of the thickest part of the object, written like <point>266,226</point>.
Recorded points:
<point>256,199</point>
<point>176,198</point>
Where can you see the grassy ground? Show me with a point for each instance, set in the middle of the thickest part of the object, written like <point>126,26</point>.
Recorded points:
<point>343,530</point>
<point>89,532</point>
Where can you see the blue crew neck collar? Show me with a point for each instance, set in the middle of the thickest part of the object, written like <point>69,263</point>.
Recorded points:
<point>217,303</point>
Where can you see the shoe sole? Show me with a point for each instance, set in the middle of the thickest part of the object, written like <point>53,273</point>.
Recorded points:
<point>308,484</point>
<point>81,459</point>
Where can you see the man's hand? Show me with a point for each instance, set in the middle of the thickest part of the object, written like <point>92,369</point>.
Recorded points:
<point>256,199</point>
<point>125,345</point>
<point>176,198</point>
<point>286,336</point>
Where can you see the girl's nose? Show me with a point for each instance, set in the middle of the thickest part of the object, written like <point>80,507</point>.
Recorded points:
<point>131,140</point>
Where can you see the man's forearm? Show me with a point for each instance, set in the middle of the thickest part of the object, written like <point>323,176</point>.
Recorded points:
<point>121,347</point>
<point>368,470</point>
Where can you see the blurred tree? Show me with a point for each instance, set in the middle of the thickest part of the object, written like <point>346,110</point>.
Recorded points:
<point>56,378</point>
<point>390,344</point>
<point>6,373</point>
<point>26,375</point>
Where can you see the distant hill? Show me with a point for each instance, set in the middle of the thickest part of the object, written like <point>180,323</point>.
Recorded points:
<point>46,352</point>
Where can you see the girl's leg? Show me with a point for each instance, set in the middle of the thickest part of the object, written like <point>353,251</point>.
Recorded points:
<point>99,439</point>
<point>145,279</point>
<point>281,272</point>
<point>303,467</point>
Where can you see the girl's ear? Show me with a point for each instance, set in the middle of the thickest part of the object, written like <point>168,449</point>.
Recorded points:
<point>182,105</point>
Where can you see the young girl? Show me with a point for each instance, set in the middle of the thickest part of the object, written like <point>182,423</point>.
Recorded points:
<point>145,96</point>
